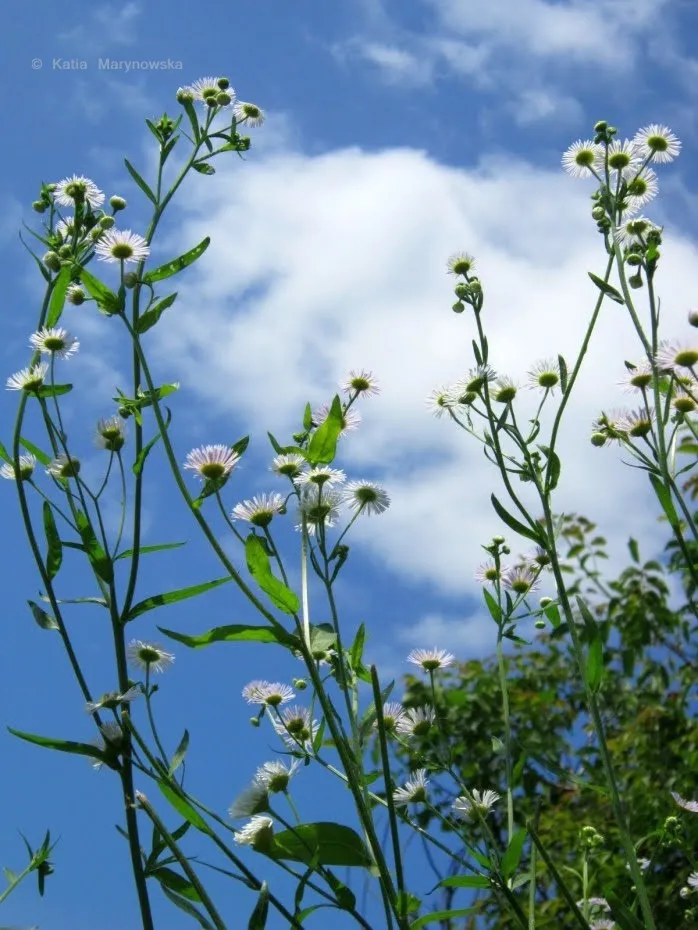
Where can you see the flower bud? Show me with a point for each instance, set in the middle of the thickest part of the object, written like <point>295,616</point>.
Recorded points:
<point>52,261</point>
<point>185,95</point>
<point>117,203</point>
<point>633,259</point>
<point>65,251</point>
<point>130,279</point>
<point>96,233</point>
<point>498,540</point>
<point>254,721</point>
<point>601,126</point>
<point>540,624</point>
<point>75,295</point>
<point>693,317</point>
<point>635,281</point>
<point>106,222</point>
<point>39,206</point>
<point>461,291</point>
<point>458,307</point>
<point>223,99</point>
<point>545,602</point>
<point>223,83</point>
<point>598,439</point>
<point>506,550</point>
<point>300,684</point>
<point>598,213</point>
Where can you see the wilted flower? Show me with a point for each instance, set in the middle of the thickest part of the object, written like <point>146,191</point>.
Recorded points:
<point>657,142</point>
<point>28,379</point>
<point>366,497</point>
<point>275,776</point>
<point>259,828</point>
<point>112,699</point>
<point>431,659</point>
<point>260,510</point>
<point>148,656</point>
<point>63,466</point>
<point>212,462</point>
<point>361,382</point>
<point>27,464</point>
<point>269,693</point>
<point>253,800</point>
<point>78,189</point>
<point>484,802</point>
<point>414,792</point>
<point>122,246</point>
<point>111,740</point>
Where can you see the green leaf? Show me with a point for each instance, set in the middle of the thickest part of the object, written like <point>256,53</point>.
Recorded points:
<point>54,390</point>
<point>107,300</point>
<point>64,745</point>
<point>664,498</point>
<point>323,444</point>
<point>240,447</point>
<point>258,917</point>
<point>237,633</point>
<point>606,288</point>
<point>140,182</point>
<point>323,843</point>
<point>552,612</point>
<point>492,606</point>
<point>634,550</point>
<point>177,883</point>
<point>137,466</point>
<point>34,450</point>
<point>357,648</point>
<point>442,916</point>
<point>44,620</point>
<point>180,753</point>
<point>622,915</point>
<point>150,317</point>
<point>54,556</point>
<point>203,167</point>
<point>594,669</point>
<point>185,809</point>
<point>307,417</point>
<point>562,364</point>
<point>5,455</point>
<point>99,560</point>
<point>465,881</point>
<point>177,264</point>
<point>188,908</point>
<point>127,553</point>
<point>172,597</point>
<point>60,287</point>
<point>513,523</point>
<point>512,857</point>
<point>553,468</point>
<point>260,569</point>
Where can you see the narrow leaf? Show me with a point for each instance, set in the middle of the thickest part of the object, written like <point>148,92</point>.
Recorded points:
<point>44,620</point>
<point>188,908</point>
<point>99,560</point>
<point>260,569</point>
<point>237,633</point>
<point>180,753</point>
<point>258,917</point>
<point>63,745</point>
<point>137,466</point>
<point>107,300</point>
<point>622,915</point>
<point>150,317</point>
<point>30,447</point>
<point>57,302</point>
<point>492,606</point>
<point>664,498</point>
<point>140,182</point>
<point>127,553</point>
<point>54,390</point>
<point>203,167</point>
<point>54,556</point>
<point>606,288</point>
<point>184,808</point>
<point>442,916</point>
<point>562,364</point>
<point>465,881</point>
<point>172,597</point>
<point>513,523</point>
<point>177,264</point>
<point>512,857</point>
<point>177,883</point>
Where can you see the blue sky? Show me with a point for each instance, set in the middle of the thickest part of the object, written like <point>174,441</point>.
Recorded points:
<point>396,134</point>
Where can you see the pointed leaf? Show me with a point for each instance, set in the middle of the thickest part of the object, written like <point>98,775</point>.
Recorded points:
<point>106,299</point>
<point>622,915</point>
<point>512,857</point>
<point>323,444</point>
<point>260,569</point>
<point>203,167</point>
<point>324,843</point>
<point>5,455</point>
<point>184,808</point>
<point>187,907</point>
<point>45,621</point>
<point>127,553</point>
<point>492,606</point>
<point>137,466</point>
<point>172,597</point>
<point>180,753</point>
<point>57,302</point>
<point>307,417</point>
<point>177,883</point>
<point>465,881</point>
<point>54,556</point>
<point>258,917</point>
<point>513,523</point>
<point>140,182</point>
<point>99,560</point>
<point>606,288</point>
<point>664,498</point>
<point>64,745</point>
<point>442,916</point>
<point>54,390</point>
<point>562,364</point>
<point>34,450</point>
<point>150,317</point>
<point>237,633</point>
<point>177,264</point>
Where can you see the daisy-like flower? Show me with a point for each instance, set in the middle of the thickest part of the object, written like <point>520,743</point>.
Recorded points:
<point>610,424</point>
<point>431,659</point>
<point>476,379</point>
<point>257,830</point>
<point>212,462</point>
<point>597,904</point>
<point>417,721</point>
<point>267,692</point>
<point>111,434</point>
<point>504,390</point>
<point>638,423</point>
<point>66,228</point>
<point>414,792</point>
<point>251,114</point>
<point>122,245</point>
<point>27,464</point>
<point>318,509</point>
<point>111,740</point>
<point>545,374</point>
<point>484,802</point>
<point>28,379</point>
<point>296,727</point>
<point>488,572</point>
<point>75,295</point>
<point>623,158</point>
<point>208,91</point>
<point>657,142</point>
<point>366,497</point>
<point>361,382</point>
<point>581,158</point>
<point>78,189</point>
<point>691,806</point>
<point>148,656</point>
<point>392,713</point>
<point>634,231</point>
<point>522,579</point>
<point>54,341</point>
<point>112,699</point>
<point>63,466</point>
<point>460,263</point>
<point>275,776</point>
<point>289,464</point>
<point>321,475</point>
<point>641,190</point>
<point>672,355</point>
<point>693,879</point>
<point>259,511</point>
<point>638,379</point>
<point>603,924</point>
<point>440,400</point>
<point>350,418</point>
<point>253,800</point>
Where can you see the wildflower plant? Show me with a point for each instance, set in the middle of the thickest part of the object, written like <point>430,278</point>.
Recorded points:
<point>337,716</point>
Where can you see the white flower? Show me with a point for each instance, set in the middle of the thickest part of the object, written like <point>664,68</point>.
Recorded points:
<point>148,656</point>
<point>318,508</point>
<point>361,382</point>
<point>260,510</point>
<point>212,462</point>
<point>27,464</point>
<point>598,903</point>
<point>414,792</point>
<point>440,400</point>
<point>55,341</point>
<point>296,727</point>
<point>259,827</point>
<point>275,776</point>
<point>488,572</point>
<point>581,157</point>
<point>289,464</point>
<point>484,802</point>
<point>269,693</point>
<point>122,245</point>
<point>634,231</point>
<point>63,466</point>
<point>460,263</point>
<point>641,190</point>
<point>674,355</point>
<point>504,390</point>
<point>321,475</point>
<point>75,295</point>
<point>623,158</point>
<point>693,879</point>
<point>545,374</point>
<point>687,805</point>
<point>111,434</point>
<point>28,379</point>
<point>431,659</point>
<point>640,377</point>
<point>366,497</point>
<point>603,924</point>
<point>249,113</point>
<point>522,579</point>
<point>112,699</point>
<point>78,189</point>
<point>253,800</point>
<point>417,721</point>
<point>657,141</point>
<point>208,89</point>
<point>350,418</point>
<point>111,738</point>
<point>392,713</point>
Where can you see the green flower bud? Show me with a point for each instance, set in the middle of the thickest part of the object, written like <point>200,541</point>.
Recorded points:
<point>117,203</point>
<point>693,317</point>
<point>300,684</point>
<point>130,279</point>
<point>65,251</point>
<point>598,213</point>
<point>635,281</point>
<point>633,259</point>
<point>540,624</point>
<point>458,307</point>
<point>601,126</point>
<point>461,291</point>
<point>223,99</point>
<point>39,206</point>
<point>598,439</point>
<point>254,721</point>
<point>106,222</point>
<point>545,602</point>
<point>52,261</point>
<point>498,540</point>
<point>223,83</point>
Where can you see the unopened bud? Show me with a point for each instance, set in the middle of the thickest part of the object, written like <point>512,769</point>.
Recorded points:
<point>117,203</point>
<point>254,721</point>
<point>130,279</point>
<point>106,222</point>
<point>300,684</point>
<point>545,602</point>
<point>39,206</point>
<point>635,281</point>
<point>458,307</point>
<point>52,261</point>
<point>598,213</point>
<point>598,439</point>
<point>693,317</point>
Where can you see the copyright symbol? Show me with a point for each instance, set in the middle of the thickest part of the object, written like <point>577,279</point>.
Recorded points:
<point>37,63</point>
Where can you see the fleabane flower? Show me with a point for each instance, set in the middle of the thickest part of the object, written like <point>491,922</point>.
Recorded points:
<point>259,829</point>
<point>112,699</point>
<point>392,713</point>
<point>208,91</point>
<point>253,800</point>
<point>476,379</point>
<point>111,434</point>
<point>440,400</point>
<point>637,379</point>
<point>691,806</point>
<point>296,727</point>
<point>431,659</point>
<point>657,142</point>
<point>212,462</point>
<point>641,190</point>
<point>674,355</point>
<point>350,418</point>
<point>27,464</point>
<point>268,693</point>
<point>275,776</point>
<point>250,113</point>
<point>504,390</point>
<point>289,464</point>
<point>78,190</point>
<point>638,423</point>
<point>484,802</point>
<point>522,579</point>
<point>634,231</point>
<point>75,295</point>
<point>28,379</point>
<point>460,263</point>
<point>361,382</point>
<point>623,158</point>
<point>488,572</point>
<point>54,341</point>
<point>149,657</point>
<point>259,511</point>
<point>66,228</point>
<point>366,497</point>
<point>544,374</point>
<point>111,741</point>
<point>318,509</point>
<point>321,475</point>
<point>581,158</point>
<point>63,466</point>
<point>122,245</point>
<point>414,791</point>
<point>693,880</point>
<point>417,721</point>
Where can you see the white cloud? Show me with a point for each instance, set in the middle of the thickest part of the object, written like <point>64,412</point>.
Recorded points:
<point>396,65</point>
<point>106,25</point>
